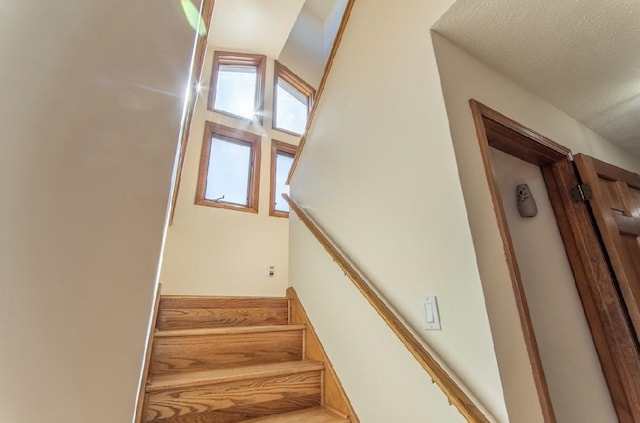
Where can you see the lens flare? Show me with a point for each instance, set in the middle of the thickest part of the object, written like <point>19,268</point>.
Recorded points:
<point>193,17</point>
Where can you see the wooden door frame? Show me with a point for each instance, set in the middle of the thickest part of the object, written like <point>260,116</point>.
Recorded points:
<point>596,287</point>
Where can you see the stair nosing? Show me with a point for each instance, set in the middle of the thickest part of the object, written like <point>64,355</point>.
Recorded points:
<point>231,374</point>
<point>220,297</point>
<point>227,329</point>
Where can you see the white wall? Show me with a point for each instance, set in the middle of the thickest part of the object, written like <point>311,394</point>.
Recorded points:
<point>310,42</point>
<point>464,77</point>
<point>303,52</point>
<point>576,384</point>
<point>215,251</point>
<point>383,381</point>
<point>92,96</point>
<point>331,25</point>
<point>379,172</point>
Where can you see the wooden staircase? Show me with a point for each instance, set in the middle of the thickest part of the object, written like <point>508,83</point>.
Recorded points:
<point>227,360</point>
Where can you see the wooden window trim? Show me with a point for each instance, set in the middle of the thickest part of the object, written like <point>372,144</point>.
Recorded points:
<point>498,131</point>
<point>281,71</point>
<point>245,59</point>
<point>277,147</point>
<point>229,134</point>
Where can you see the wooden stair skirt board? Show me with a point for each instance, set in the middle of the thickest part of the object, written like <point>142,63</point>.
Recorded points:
<point>228,360</point>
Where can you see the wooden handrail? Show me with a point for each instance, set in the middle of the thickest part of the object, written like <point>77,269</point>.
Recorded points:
<point>416,346</point>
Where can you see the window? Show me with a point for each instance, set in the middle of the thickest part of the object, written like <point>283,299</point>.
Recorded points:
<point>281,159</point>
<point>292,101</point>
<point>229,169</point>
<point>237,85</point>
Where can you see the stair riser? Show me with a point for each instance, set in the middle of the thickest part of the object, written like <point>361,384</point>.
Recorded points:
<point>310,415</point>
<point>247,412</point>
<point>235,401</point>
<point>192,353</point>
<point>191,313</point>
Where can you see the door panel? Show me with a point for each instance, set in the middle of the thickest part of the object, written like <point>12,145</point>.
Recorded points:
<point>607,316</point>
<point>616,208</point>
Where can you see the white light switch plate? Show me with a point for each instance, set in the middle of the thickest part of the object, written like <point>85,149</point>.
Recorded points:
<point>431,313</point>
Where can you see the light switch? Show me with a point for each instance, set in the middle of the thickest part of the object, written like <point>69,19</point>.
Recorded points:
<point>431,313</point>
<point>428,308</point>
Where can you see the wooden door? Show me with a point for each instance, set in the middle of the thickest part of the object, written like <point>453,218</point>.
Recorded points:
<point>615,204</point>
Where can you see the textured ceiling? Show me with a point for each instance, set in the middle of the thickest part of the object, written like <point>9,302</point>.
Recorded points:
<point>583,56</point>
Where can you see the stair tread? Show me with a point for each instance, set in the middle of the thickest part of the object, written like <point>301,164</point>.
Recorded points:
<point>219,297</point>
<point>208,377</point>
<point>225,330</point>
<point>311,415</point>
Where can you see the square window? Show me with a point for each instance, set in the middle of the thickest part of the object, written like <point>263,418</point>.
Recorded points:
<point>292,101</point>
<point>229,169</point>
<point>282,156</point>
<point>237,85</point>
<point>236,90</point>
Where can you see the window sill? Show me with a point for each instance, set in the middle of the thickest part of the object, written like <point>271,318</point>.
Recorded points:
<point>219,205</point>
<point>274,213</point>
<point>241,119</point>
<point>285,131</point>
